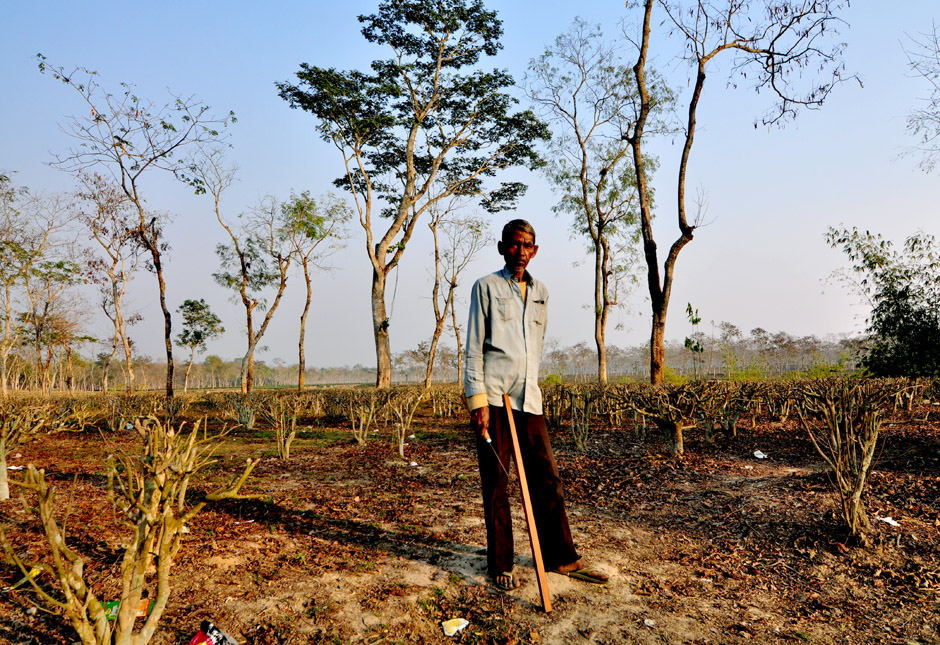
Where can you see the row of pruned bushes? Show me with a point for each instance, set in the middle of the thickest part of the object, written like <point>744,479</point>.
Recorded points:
<point>842,418</point>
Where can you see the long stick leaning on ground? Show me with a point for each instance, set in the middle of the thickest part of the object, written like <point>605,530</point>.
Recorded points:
<point>529,516</point>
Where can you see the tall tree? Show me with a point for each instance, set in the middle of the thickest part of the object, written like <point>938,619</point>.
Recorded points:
<point>199,326</point>
<point>108,216</point>
<point>586,94</point>
<point>464,238</point>
<point>129,138</point>
<point>15,257</point>
<point>309,226</point>
<point>427,116</point>
<point>256,258</point>
<point>30,235</point>
<point>780,46</point>
<point>46,323</point>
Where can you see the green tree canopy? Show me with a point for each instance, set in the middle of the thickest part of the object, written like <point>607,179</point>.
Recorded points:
<point>903,287</point>
<point>199,325</point>
<point>424,125</point>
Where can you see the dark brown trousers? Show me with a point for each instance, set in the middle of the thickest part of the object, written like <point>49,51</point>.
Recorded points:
<point>545,490</point>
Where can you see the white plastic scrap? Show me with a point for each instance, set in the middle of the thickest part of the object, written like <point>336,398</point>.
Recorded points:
<point>453,626</point>
<point>888,520</point>
<point>759,454</point>
<point>14,468</point>
<point>414,463</point>
<point>649,623</point>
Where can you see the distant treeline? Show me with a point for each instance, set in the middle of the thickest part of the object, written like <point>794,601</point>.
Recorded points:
<point>729,354</point>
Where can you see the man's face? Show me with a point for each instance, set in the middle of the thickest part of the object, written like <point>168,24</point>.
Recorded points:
<point>518,249</point>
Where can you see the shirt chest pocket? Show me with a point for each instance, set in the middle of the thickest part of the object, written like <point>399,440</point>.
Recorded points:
<point>540,312</point>
<point>507,308</point>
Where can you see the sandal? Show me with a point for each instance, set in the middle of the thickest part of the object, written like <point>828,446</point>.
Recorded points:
<point>586,574</point>
<point>506,581</point>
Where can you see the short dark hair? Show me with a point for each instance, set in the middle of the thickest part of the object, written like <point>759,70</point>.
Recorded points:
<point>517,225</point>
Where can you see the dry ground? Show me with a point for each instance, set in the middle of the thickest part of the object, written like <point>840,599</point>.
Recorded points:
<point>351,544</point>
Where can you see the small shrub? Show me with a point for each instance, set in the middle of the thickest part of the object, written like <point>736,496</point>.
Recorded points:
<point>149,490</point>
<point>842,418</point>
<point>552,379</point>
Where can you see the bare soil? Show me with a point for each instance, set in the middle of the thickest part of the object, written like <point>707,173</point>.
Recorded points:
<point>352,544</point>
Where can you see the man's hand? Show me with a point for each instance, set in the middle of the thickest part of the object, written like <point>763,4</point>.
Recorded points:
<point>480,422</point>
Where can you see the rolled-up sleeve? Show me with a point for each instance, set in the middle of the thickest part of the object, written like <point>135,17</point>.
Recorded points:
<point>476,336</point>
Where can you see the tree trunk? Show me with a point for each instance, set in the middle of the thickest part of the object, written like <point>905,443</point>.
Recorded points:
<point>440,317</point>
<point>246,375</point>
<point>301,359</point>
<point>657,342</point>
<point>167,330</point>
<point>438,330</point>
<point>105,378</point>
<point>69,371</point>
<point>453,318</point>
<point>601,352</point>
<point>246,372</point>
<point>192,358</point>
<point>600,313</point>
<point>3,374</point>
<point>151,241</point>
<point>673,434</point>
<point>248,364</point>
<point>646,216</point>
<point>128,359</point>
<point>380,324</point>
<point>659,291</point>
<point>120,333</point>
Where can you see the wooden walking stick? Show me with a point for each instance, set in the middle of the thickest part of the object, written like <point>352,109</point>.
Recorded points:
<point>529,516</point>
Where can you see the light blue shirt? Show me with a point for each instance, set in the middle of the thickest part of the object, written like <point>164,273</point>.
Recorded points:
<point>505,335</point>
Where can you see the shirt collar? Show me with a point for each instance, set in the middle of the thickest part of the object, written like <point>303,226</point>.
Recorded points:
<point>508,275</point>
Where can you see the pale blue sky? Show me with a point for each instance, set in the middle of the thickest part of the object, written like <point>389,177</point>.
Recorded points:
<point>761,262</point>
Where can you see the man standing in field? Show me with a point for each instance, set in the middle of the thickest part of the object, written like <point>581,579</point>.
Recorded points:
<point>508,315</point>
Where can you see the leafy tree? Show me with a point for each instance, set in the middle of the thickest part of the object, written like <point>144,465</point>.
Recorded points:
<point>108,216</point>
<point>428,117</point>
<point>903,289</point>
<point>256,258</point>
<point>48,321</point>
<point>199,326</point>
<point>30,237</point>
<point>308,225</point>
<point>586,94</point>
<point>465,237</point>
<point>129,138</point>
<point>773,44</point>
